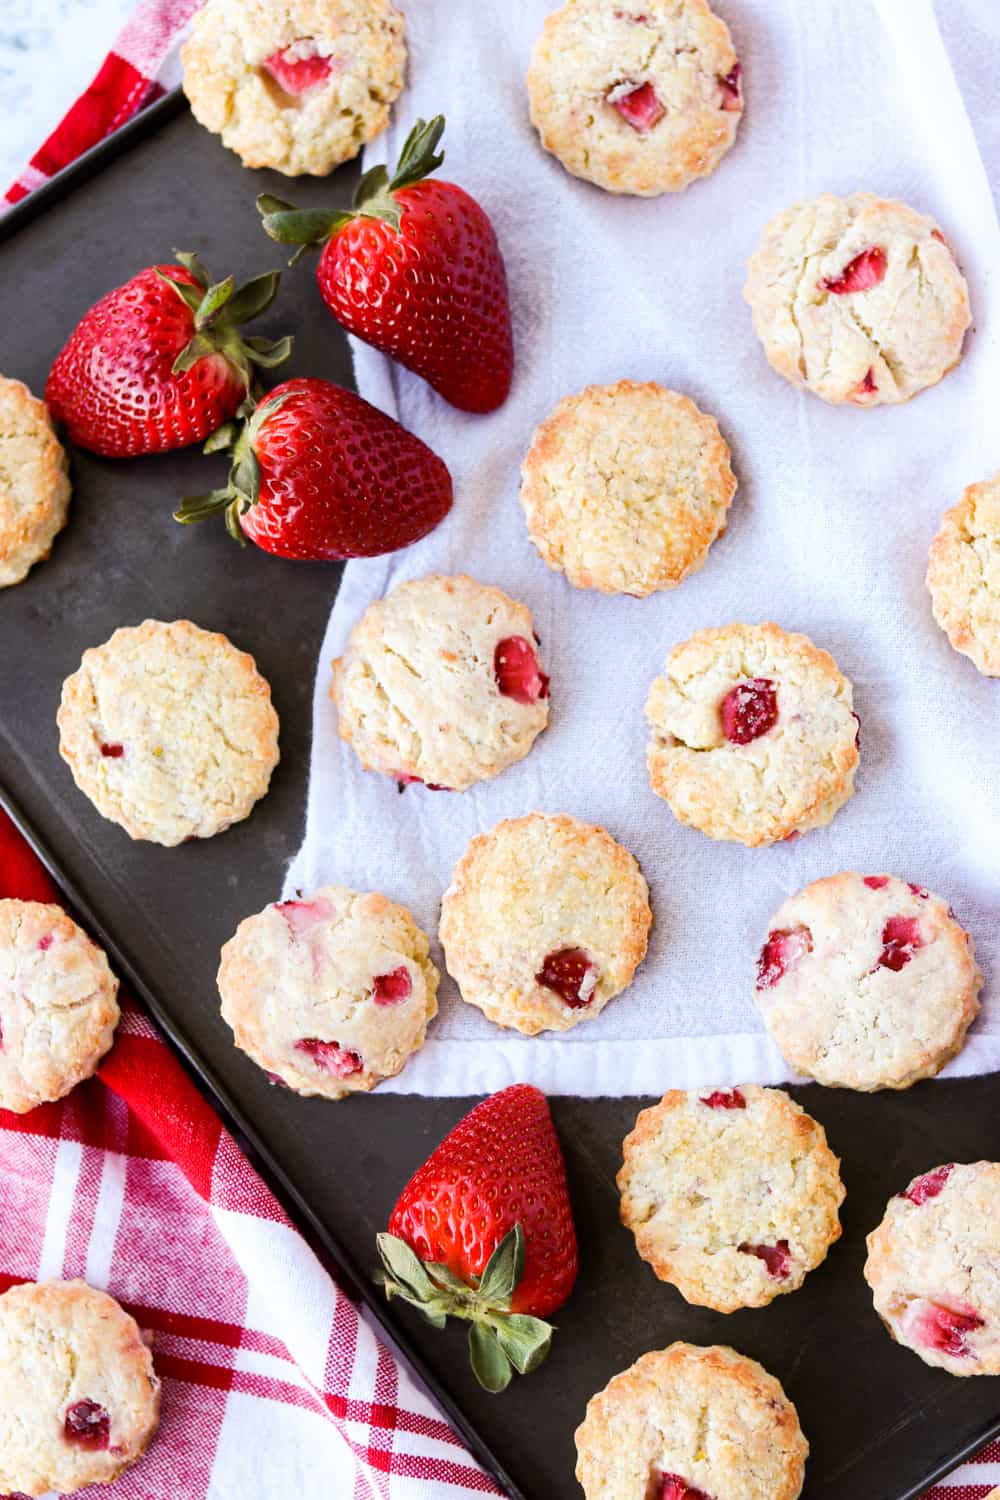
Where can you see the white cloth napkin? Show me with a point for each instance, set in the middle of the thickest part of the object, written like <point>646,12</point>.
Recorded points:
<point>829,530</point>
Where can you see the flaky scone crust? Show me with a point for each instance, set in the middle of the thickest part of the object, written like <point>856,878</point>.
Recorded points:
<point>625,487</point>
<point>963,575</point>
<point>764,791</point>
<point>590,47</point>
<point>34,482</point>
<point>194,718</point>
<point>874,346</point>
<point>711,1416</point>
<point>533,886</point>
<point>766,1174</point>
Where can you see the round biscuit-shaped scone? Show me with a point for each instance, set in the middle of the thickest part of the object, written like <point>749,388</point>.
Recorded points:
<point>635,97</point>
<point>933,1270</point>
<point>753,736</point>
<point>963,575</point>
<point>169,730</point>
<point>732,1194</point>
<point>440,683</point>
<point>867,982</point>
<point>691,1421</point>
<point>859,299</point>
<point>296,85</point>
<point>58,1004</point>
<point>625,487</point>
<point>329,994</point>
<point>546,919</point>
<point>34,482</point>
<point>79,1398</point>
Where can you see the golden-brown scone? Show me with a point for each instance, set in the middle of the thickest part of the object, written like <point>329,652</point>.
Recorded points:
<point>963,575</point>
<point>34,482</point>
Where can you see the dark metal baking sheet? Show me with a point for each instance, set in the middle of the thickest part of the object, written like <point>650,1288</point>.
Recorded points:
<point>881,1424</point>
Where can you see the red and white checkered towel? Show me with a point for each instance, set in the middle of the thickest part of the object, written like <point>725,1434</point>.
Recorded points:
<point>272,1382</point>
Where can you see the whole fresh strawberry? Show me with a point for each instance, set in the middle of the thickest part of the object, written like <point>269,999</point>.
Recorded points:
<point>159,362</point>
<point>414,268</point>
<point>484,1231</point>
<point>318,473</point>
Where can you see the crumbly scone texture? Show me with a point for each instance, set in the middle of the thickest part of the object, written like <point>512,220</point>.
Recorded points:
<point>232,92</point>
<point>592,52</point>
<point>933,1270</point>
<point>306,971</point>
<point>169,730</point>
<point>881,983</point>
<point>58,1004</point>
<point>61,1343</point>
<point>625,487</point>
<point>705,1187</point>
<point>34,481</point>
<point>963,575</point>
<point>880,344</point>
<point>789,780</point>
<point>709,1417</point>
<point>533,887</point>
<point>416,690</point>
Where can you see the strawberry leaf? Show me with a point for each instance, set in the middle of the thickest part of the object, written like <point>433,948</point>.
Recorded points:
<point>198,507</point>
<point>267,352</point>
<point>504,1269</point>
<point>190,295</point>
<point>525,1340</point>
<point>195,265</point>
<point>405,1269</point>
<point>490,1364</point>
<point>213,302</point>
<point>254,297</point>
<point>419,156</point>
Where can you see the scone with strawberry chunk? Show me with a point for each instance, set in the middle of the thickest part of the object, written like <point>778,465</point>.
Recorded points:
<point>637,96</point>
<point>753,736</point>
<point>932,1267</point>
<point>331,993</point>
<point>963,575</point>
<point>297,85</point>
<point>691,1423</point>
<point>546,919</point>
<point>732,1194</point>
<point>867,982</point>
<point>34,482</point>
<point>859,299</point>
<point>441,683</point>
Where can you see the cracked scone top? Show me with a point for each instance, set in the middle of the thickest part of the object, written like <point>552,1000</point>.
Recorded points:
<point>963,575</point>
<point>625,487</point>
<point>169,730</point>
<point>933,1270</point>
<point>753,735</point>
<point>732,1194</point>
<point>79,1399</point>
<point>440,682</point>
<point>867,982</point>
<point>546,919</point>
<point>297,85</point>
<point>58,1004</point>
<point>690,1421</point>
<point>329,994</point>
<point>859,299</point>
<point>636,97</point>
<point>34,482</point>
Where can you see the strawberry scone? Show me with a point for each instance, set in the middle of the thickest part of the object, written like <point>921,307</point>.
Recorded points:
<point>963,575</point>
<point>58,1004</point>
<point>331,993</point>
<point>691,1423</point>
<point>169,730</point>
<point>34,482</point>
<point>625,487</point>
<point>441,683</point>
<point>297,85</point>
<point>933,1270</point>
<point>859,299</point>
<point>732,1194</point>
<point>753,734</point>
<point>636,97</point>
<point>867,982</point>
<point>546,919</point>
<point>79,1398</point>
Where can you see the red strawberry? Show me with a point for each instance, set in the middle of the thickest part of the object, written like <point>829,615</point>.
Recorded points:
<point>484,1231</point>
<point>318,473</point>
<point>159,362</point>
<point>414,268</point>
